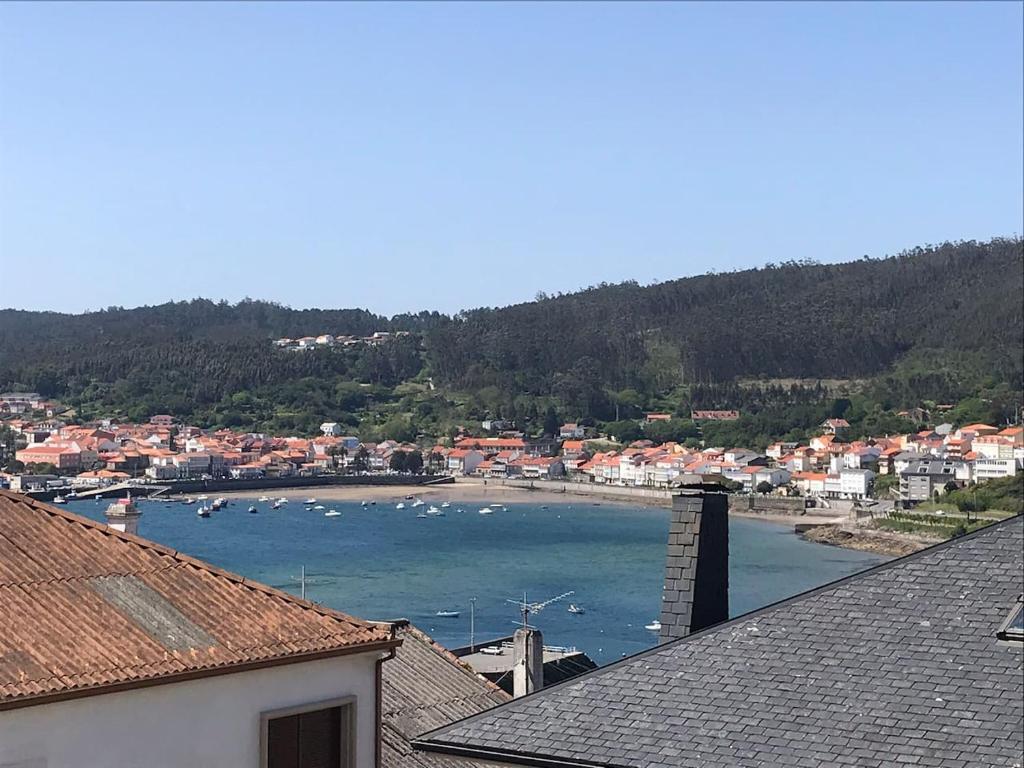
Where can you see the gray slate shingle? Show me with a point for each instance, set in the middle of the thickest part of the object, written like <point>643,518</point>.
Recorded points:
<point>899,665</point>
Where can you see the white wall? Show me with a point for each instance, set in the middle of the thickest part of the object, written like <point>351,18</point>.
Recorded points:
<point>213,722</point>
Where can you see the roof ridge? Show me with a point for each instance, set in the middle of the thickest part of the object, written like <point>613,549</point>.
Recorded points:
<point>181,557</point>
<point>423,740</point>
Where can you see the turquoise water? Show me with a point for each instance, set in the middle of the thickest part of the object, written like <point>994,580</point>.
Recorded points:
<point>381,563</point>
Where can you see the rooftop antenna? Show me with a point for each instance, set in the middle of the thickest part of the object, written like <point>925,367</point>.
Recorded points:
<point>526,608</point>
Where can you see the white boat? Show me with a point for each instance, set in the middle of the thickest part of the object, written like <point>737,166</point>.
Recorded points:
<point>202,498</point>
<point>319,507</point>
<point>332,513</point>
<point>59,500</point>
<point>263,499</point>
<point>445,505</point>
<point>252,510</point>
<point>422,514</point>
<point>189,500</point>
<point>447,614</point>
<point>220,502</point>
<point>400,505</point>
<point>276,504</point>
<point>577,609</point>
<point>486,511</point>
<point>203,511</point>
<point>654,626</point>
<point>283,500</point>
<point>310,500</point>
<point>365,504</point>
<point>418,503</point>
<point>432,510</point>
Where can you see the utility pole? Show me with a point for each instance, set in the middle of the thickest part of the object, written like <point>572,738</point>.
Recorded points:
<point>302,581</point>
<point>472,624</point>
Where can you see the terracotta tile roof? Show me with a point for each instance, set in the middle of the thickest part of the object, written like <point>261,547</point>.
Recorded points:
<point>85,609</point>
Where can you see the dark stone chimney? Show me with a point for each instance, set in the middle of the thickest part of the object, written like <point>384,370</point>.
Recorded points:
<point>696,592</point>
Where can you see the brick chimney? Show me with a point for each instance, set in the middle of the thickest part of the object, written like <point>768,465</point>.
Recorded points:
<point>696,591</point>
<point>527,661</point>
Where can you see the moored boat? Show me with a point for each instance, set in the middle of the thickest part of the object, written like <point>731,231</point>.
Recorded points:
<point>332,513</point>
<point>654,626</point>
<point>577,609</point>
<point>203,511</point>
<point>447,614</point>
<point>252,510</point>
<point>486,511</point>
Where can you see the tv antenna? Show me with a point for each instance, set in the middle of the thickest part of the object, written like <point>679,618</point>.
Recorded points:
<point>527,609</point>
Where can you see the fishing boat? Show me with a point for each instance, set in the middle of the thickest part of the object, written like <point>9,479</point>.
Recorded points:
<point>577,609</point>
<point>318,507</point>
<point>189,500</point>
<point>283,500</point>
<point>486,511</point>
<point>365,504</point>
<point>263,499</point>
<point>219,503</point>
<point>252,510</point>
<point>445,505</point>
<point>276,504</point>
<point>447,614</point>
<point>58,499</point>
<point>332,513</point>
<point>400,505</point>
<point>654,626</point>
<point>432,510</point>
<point>373,503</point>
<point>203,511</point>
<point>310,500</point>
<point>418,503</point>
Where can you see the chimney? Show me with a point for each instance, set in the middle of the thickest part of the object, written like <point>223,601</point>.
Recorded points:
<point>124,516</point>
<point>696,591</point>
<point>527,661</point>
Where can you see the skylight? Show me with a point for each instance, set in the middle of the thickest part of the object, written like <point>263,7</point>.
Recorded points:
<point>1013,627</point>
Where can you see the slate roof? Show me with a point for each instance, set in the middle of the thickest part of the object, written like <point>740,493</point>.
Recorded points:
<point>424,687</point>
<point>85,609</point>
<point>899,665</point>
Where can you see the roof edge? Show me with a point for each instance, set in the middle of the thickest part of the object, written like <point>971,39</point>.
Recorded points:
<point>23,702</point>
<point>436,745</point>
<point>516,758</point>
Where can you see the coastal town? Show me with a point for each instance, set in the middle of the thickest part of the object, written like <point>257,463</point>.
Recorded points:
<point>910,469</point>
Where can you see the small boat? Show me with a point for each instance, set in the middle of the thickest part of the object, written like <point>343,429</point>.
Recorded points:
<point>432,510</point>
<point>332,513</point>
<point>365,504</point>
<point>654,626</point>
<point>409,497</point>
<point>283,500</point>
<point>220,502</point>
<point>400,505</point>
<point>276,504</point>
<point>447,614</point>
<point>58,499</point>
<point>373,503</point>
<point>418,503</point>
<point>577,609</point>
<point>203,511</point>
<point>460,509</point>
<point>202,498</point>
<point>422,514</point>
<point>310,500</point>
<point>486,511</point>
<point>318,507</point>
<point>263,499</point>
<point>445,505</point>
<point>252,510</point>
<point>545,506</point>
<point>189,500</point>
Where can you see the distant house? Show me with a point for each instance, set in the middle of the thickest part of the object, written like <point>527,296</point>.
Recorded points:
<point>649,417</point>
<point>921,480</point>
<point>571,431</point>
<point>331,429</point>
<point>162,420</point>
<point>463,461</point>
<point>714,415</point>
<point>837,427</point>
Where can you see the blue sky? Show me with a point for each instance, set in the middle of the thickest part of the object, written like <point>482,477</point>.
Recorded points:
<point>413,156</point>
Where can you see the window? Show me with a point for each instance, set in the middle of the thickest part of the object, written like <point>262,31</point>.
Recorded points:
<point>1013,627</point>
<point>318,735</point>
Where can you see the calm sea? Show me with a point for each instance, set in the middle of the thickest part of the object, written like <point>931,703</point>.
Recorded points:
<point>378,562</point>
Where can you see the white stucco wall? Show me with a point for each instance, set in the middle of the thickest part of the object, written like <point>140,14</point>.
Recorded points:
<point>213,722</point>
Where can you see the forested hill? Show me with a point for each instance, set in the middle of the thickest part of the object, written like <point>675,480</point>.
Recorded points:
<point>789,320</point>
<point>661,344</point>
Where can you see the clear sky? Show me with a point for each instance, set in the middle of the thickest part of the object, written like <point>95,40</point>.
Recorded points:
<point>413,156</point>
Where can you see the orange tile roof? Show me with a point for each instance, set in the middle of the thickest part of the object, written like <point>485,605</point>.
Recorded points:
<point>85,609</point>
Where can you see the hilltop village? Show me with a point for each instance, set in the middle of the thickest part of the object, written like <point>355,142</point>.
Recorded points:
<point>46,452</point>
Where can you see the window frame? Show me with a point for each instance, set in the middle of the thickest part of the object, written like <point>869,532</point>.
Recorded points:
<point>1004,632</point>
<point>347,705</point>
